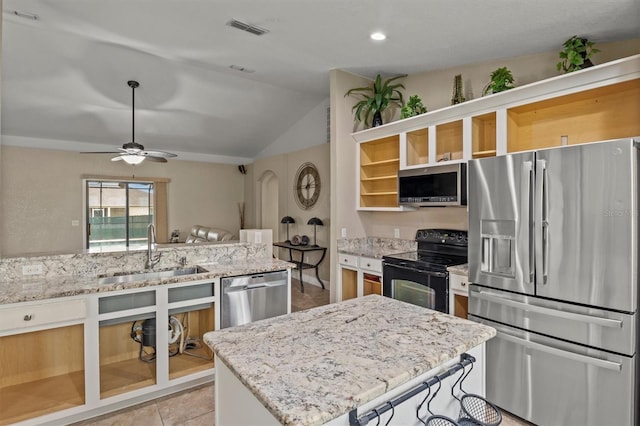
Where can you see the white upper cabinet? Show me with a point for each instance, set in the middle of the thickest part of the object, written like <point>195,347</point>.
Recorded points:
<point>591,105</point>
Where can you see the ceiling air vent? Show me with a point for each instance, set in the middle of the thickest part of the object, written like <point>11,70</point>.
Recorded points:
<point>247,27</point>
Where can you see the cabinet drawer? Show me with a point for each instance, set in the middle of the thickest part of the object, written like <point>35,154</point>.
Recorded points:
<point>459,283</point>
<point>370,264</point>
<point>348,259</point>
<point>46,313</point>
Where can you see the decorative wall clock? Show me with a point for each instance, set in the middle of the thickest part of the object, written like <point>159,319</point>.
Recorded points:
<point>306,187</point>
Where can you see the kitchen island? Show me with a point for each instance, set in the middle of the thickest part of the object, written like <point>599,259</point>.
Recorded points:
<point>315,367</point>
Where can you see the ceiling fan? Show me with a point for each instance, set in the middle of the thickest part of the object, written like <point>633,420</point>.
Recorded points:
<point>132,152</point>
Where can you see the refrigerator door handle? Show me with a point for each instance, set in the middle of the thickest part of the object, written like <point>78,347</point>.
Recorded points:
<point>597,362</point>
<point>540,222</point>
<point>526,215</point>
<point>545,224</point>
<point>590,319</point>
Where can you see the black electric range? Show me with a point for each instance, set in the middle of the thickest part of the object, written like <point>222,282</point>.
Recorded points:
<point>437,249</point>
<point>420,277</point>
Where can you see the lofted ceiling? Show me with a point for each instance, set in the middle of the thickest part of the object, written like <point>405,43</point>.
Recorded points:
<point>64,74</point>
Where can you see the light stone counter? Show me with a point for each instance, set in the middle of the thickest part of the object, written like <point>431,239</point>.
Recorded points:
<point>24,289</point>
<point>313,366</point>
<point>375,247</point>
<point>459,269</point>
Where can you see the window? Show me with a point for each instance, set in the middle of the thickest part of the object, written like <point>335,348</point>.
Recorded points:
<point>118,213</point>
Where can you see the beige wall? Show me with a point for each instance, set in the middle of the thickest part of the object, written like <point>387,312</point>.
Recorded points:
<point>284,167</point>
<point>435,88</point>
<point>42,193</point>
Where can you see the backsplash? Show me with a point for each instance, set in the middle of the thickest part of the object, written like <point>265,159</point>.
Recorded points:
<point>93,264</point>
<point>375,246</point>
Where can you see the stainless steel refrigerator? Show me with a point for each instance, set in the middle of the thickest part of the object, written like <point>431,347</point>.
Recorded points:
<point>553,262</point>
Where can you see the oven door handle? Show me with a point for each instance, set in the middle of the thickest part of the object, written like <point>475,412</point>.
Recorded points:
<point>420,271</point>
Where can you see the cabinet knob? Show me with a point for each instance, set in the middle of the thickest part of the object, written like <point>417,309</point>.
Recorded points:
<point>463,284</point>
<point>28,317</point>
<point>368,264</point>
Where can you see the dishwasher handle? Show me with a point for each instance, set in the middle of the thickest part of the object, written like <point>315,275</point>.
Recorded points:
<point>231,288</point>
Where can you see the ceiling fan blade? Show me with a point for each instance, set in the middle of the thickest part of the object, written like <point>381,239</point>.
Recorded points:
<point>118,158</point>
<point>156,159</point>
<point>161,154</point>
<point>101,152</point>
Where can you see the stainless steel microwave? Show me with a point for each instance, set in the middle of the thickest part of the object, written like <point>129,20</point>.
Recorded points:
<point>434,186</point>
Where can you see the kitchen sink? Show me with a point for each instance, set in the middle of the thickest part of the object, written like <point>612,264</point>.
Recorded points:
<point>127,277</point>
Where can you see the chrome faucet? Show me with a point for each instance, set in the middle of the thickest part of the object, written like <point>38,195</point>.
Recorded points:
<point>152,260</point>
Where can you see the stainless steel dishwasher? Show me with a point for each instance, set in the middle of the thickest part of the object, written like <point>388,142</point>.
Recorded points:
<point>253,297</point>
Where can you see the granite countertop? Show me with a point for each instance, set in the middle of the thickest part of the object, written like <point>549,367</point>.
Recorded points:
<point>312,366</point>
<point>375,247</point>
<point>372,252</point>
<point>459,269</point>
<point>49,287</point>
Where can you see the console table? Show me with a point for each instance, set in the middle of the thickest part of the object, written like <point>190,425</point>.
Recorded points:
<point>301,264</point>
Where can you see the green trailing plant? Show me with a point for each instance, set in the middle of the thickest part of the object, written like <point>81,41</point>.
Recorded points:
<point>375,99</point>
<point>576,54</point>
<point>501,80</point>
<point>413,107</point>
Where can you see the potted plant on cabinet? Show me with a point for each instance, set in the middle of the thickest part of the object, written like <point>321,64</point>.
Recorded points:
<point>576,54</point>
<point>413,107</point>
<point>375,99</point>
<point>501,80</point>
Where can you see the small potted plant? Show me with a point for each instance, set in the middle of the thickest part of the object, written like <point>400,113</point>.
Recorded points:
<point>576,54</point>
<point>375,99</point>
<point>501,80</point>
<point>413,107</point>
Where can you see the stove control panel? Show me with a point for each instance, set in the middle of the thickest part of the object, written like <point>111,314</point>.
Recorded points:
<point>443,236</point>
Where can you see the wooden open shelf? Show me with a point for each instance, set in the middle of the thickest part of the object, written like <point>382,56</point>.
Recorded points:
<point>349,284</point>
<point>607,112</point>
<point>483,135</point>
<point>461,306</point>
<point>418,147</point>
<point>197,324</point>
<point>41,372</point>
<point>126,376</point>
<point>449,140</point>
<point>39,397</point>
<point>120,369</point>
<point>371,285</point>
<point>379,165</point>
<point>192,361</point>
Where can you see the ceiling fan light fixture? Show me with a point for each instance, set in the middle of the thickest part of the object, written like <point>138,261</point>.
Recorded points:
<point>132,159</point>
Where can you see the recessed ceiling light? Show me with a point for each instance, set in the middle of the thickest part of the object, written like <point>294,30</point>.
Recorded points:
<point>378,36</point>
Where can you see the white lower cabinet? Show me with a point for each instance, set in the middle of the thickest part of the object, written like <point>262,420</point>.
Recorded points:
<point>42,367</point>
<point>458,295</point>
<point>358,276</point>
<point>72,358</point>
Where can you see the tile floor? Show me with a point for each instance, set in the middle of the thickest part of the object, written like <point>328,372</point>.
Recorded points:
<point>195,407</point>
